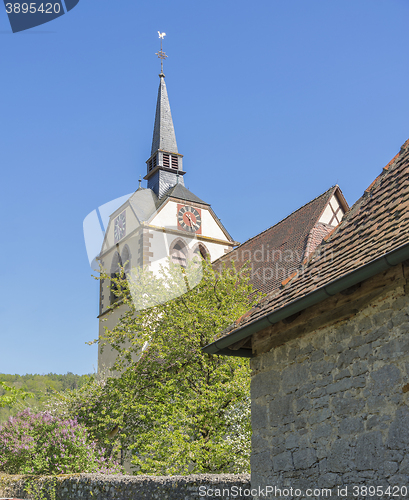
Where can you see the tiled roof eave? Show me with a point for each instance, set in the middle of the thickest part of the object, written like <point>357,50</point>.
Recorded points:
<point>354,277</point>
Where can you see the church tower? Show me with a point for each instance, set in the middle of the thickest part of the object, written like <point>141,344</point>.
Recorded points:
<point>160,222</point>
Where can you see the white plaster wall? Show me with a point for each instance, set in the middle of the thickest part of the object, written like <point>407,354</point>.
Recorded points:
<point>167,217</point>
<point>131,224</point>
<point>210,227</point>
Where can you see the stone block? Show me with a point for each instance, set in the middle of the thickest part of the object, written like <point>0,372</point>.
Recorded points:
<point>317,355</point>
<point>322,431</point>
<point>364,351</point>
<point>393,456</point>
<point>261,462</point>
<point>381,317</point>
<point>398,435</point>
<point>304,459</point>
<point>277,444</point>
<point>359,382</point>
<point>305,352</point>
<point>390,468</point>
<point>293,353</point>
<point>393,349</point>
<point>377,421</point>
<point>293,377</point>
<point>292,441</point>
<point>351,425</point>
<point>400,318</point>
<point>334,349</point>
<point>300,423</point>
<point>399,480</point>
<point>385,380</point>
<point>340,456</point>
<point>322,367</point>
<point>321,402</point>
<point>348,406</point>
<point>357,340</point>
<point>265,384</point>
<point>258,443</point>
<point>345,358</point>
<point>318,393</point>
<point>364,324</point>
<point>281,410</point>
<point>319,416</point>
<point>378,333</point>
<point>306,389</point>
<point>323,382</point>
<point>370,451</point>
<point>342,374</point>
<point>283,462</point>
<point>328,480</point>
<point>302,403</point>
<point>359,368</point>
<point>375,404</point>
<point>340,386</point>
<point>404,466</point>
<point>258,416</point>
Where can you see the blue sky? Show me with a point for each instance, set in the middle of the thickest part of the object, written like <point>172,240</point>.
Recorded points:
<point>273,101</point>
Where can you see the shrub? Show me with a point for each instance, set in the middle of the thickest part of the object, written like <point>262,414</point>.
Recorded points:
<point>44,444</point>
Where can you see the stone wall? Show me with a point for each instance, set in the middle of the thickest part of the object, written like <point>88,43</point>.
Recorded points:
<point>330,408</point>
<point>99,487</point>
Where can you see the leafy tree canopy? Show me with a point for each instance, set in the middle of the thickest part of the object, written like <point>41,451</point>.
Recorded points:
<point>177,409</point>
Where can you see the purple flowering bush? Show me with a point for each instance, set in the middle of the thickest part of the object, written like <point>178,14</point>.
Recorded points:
<point>45,444</point>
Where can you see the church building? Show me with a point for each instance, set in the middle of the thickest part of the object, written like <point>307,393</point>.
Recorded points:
<point>161,221</point>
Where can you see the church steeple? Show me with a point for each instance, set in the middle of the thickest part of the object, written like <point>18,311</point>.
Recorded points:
<point>164,167</point>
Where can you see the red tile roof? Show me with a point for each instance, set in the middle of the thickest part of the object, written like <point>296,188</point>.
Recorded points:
<point>273,255</point>
<point>378,223</point>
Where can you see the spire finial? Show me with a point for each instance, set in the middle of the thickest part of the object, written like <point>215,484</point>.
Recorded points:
<point>161,55</point>
<point>140,182</point>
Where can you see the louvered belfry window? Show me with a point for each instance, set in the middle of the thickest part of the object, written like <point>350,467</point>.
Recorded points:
<point>152,163</point>
<point>175,162</point>
<point>166,160</point>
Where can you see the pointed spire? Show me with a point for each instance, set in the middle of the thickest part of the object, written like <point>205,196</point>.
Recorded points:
<point>164,138</point>
<point>164,167</point>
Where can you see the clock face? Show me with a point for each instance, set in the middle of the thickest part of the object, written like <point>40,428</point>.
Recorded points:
<point>120,226</point>
<point>189,218</point>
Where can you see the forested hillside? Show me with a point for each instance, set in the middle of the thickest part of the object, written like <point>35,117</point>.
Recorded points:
<point>41,387</point>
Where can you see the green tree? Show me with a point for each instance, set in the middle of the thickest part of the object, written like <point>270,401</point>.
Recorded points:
<point>176,409</point>
<point>34,391</point>
<point>11,395</point>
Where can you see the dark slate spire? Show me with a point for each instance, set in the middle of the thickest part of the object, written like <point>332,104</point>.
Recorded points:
<point>164,167</point>
<point>164,138</point>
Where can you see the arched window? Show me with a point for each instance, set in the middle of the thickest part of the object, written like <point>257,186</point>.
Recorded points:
<point>126,260</point>
<point>115,270</point>
<point>201,251</point>
<point>178,253</point>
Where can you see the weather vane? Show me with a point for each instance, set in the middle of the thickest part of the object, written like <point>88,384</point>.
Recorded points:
<point>161,54</point>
